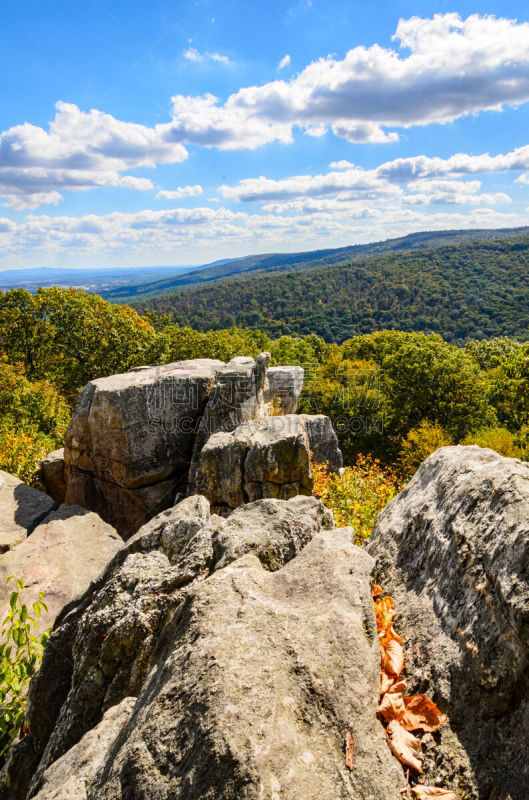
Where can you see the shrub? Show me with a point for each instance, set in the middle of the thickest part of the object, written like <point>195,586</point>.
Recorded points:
<point>358,495</point>
<point>22,451</point>
<point>499,439</point>
<point>421,442</point>
<point>20,658</point>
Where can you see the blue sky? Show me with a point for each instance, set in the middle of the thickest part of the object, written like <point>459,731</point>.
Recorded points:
<point>139,133</point>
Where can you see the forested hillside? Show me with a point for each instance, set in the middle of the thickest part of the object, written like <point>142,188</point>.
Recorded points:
<point>269,263</point>
<point>470,290</point>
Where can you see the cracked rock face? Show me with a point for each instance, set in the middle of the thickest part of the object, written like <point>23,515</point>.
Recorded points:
<point>453,549</point>
<point>270,457</point>
<point>130,441</point>
<point>213,658</point>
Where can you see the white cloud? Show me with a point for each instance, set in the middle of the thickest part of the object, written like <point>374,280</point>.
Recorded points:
<point>455,67</point>
<point>151,235</point>
<point>80,150</point>
<point>343,164</point>
<point>416,172</point>
<point>192,54</point>
<point>285,61</point>
<point>182,191</point>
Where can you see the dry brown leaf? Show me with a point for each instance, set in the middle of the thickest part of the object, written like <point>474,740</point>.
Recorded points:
<point>384,612</point>
<point>377,590</point>
<point>399,687</point>
<point>421,714</point>
<point>349,749</point>
<point>394,661</point>
<point>387,635</point>
<point>405,746</point>
<point>386,682</point>
<point>392,707</point>
<point>426,792</point>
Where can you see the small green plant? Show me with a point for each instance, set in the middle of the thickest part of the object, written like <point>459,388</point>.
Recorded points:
<point>20,657</point>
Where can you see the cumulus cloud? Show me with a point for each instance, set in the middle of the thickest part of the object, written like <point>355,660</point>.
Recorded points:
<point>454,67</point>
<point>80,150</point>
<point>182,191</point>
<point>285,61</point>
<point>419,173</point>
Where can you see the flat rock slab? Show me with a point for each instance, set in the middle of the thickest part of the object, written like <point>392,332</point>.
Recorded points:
<point>21,510</point>
<point>62,556</point>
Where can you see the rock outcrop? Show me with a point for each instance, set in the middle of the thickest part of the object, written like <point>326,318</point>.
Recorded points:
<point>21,510</point>
<point>67,551</point>
<point>53,475</point>
<point>130,441</point>
<point>323,441</point>
<point>140,441</point>
<point>269,457</point>
<point>214,658</point>
<point>284,387</point>
<point>453,549</point>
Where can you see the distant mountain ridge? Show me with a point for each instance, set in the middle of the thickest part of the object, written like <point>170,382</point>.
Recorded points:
<point>285,262</point>
<point>468,289</point>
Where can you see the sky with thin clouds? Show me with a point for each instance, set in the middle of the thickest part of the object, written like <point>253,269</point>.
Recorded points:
<point>149,133</point>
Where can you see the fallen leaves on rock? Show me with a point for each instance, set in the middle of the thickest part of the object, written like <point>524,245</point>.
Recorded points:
<point>426,792</point>
<point>422,714</point>
<point>401,714</point>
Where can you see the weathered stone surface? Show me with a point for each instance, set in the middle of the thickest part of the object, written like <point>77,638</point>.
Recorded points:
<point>52,475</point>
<point>269,457</point>
<point>453,548</point>
<point>237,397</point>
<point>62,556</point>
<point>323,441</point>
<point>285,385</point>
<point>69,777</point>
<point>133,433</point>
<point>246,680</point>
<point>21,509</point>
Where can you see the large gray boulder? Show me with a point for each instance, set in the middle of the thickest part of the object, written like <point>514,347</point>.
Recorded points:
<point>269,457</point>
<point>190,670</point>
<point>132,443</point>
<point>21,510</point>
<point>129,444</point>
<point>453,549</point>
<point>53,475</point>
<point>284,386</point>
<point>62,556</point>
